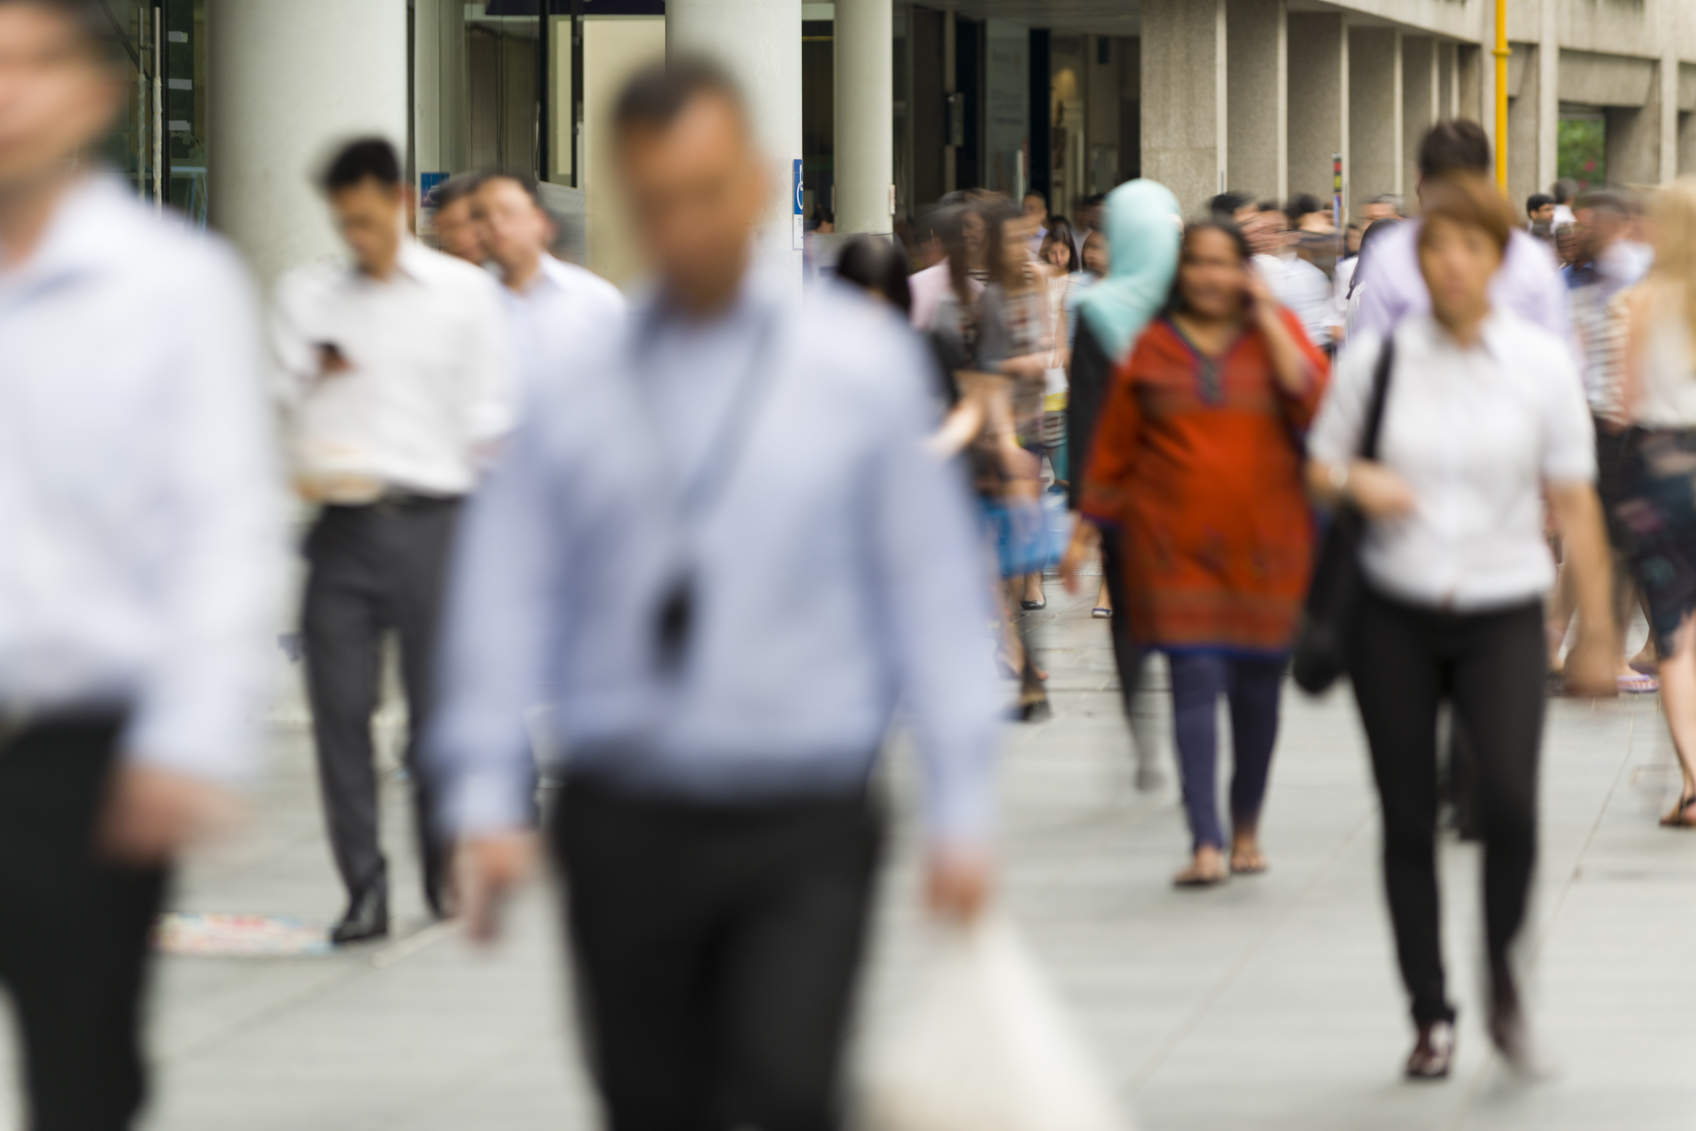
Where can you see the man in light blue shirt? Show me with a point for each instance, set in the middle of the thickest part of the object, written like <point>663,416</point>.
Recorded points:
<point>550,304</point>
<point>718,551</point>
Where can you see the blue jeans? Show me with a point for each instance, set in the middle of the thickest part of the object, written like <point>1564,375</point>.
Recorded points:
<point>1252,686</point>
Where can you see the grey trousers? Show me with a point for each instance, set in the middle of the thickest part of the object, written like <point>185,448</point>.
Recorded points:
<point>374,569</point>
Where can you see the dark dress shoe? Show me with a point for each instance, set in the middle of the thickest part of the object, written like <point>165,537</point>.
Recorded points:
<point>367,918</point>
<point>1507,1024</point>
<point>1433,1053</point>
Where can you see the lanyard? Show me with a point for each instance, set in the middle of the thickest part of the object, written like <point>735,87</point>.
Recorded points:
<point>698,495</point>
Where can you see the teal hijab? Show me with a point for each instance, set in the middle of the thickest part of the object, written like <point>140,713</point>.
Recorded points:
<point>1144,227</point>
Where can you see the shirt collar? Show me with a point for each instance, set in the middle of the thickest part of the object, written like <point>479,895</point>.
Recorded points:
<point>1495,335</point>
<point>82,234</point>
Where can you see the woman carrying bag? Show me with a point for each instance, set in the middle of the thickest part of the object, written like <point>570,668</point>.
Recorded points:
<point>1196,464</point>
<point>1483,415</point>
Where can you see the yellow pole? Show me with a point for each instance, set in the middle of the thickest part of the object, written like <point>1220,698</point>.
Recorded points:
<point>1502,54</point>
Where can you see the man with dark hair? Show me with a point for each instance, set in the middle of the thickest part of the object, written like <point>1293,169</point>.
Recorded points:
<point>1089,219</point>
<point>1563,190</point>
<point>1539,210</point>
<point>719,545</point>
<point>139,577</point>
<point>549,303</point>
<point>1035,210</point>
<point>1390,284</point>
<point>397,376</point>
<point>1229,204</point>
<point>456,231</point>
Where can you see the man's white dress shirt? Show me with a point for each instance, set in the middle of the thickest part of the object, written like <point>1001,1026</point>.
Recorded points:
<point>139,509</point>
<point>553,310</point>
<point>429,388</point>
<point>1476,432</point>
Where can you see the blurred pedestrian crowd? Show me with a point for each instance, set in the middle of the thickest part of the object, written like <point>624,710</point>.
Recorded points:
<point>662,568</point>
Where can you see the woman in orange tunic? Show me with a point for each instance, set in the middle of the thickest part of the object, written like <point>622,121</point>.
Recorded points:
<point>1197,463</point>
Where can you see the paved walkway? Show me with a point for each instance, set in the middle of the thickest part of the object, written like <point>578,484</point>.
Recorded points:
<point>1270,1003</point>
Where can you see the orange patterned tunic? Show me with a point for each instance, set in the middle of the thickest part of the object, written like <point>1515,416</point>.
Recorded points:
<point>1197,462</point>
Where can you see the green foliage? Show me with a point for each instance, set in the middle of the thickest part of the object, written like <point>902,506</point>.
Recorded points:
<point>1582,151</point>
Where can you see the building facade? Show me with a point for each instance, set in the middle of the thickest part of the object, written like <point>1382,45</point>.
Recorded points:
<point>870,109</point>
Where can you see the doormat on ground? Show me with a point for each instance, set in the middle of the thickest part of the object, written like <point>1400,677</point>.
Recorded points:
<point>224,935</point>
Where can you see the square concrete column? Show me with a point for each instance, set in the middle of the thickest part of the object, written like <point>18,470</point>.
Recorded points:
<point>1257,93</point>
<point>1184,97</point>
<point>1525,79</point>
<point>1420,92</point>
<point>1549,97</point>
<point>1668,88</point>
<point>1318,101</point>
<point>1448,79</point>
<point>1375,111</point>
<point>1634,137</point>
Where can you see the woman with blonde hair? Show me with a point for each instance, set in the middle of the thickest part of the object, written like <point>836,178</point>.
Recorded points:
<point>1657,508</point>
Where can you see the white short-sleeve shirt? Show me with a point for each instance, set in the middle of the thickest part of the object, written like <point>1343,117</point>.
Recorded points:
<point>1476,432</point>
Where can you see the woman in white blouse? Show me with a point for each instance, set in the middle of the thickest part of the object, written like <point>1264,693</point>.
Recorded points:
<point>1485,417</point>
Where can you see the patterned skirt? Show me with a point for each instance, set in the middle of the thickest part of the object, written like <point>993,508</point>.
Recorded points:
<point>1655,511</point>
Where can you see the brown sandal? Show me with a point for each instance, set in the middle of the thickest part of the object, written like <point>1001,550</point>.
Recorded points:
<point>1679,817</point>
<point>1433,1053</point>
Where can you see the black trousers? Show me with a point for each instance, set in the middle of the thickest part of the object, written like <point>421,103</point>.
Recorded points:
<point>373,569</point>
<point>1490,666</point>
<point>717,949</point>
<point>73,930</point>
<point>1128,656</point>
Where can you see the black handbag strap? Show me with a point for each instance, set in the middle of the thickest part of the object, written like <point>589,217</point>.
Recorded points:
<point>1380,392</point>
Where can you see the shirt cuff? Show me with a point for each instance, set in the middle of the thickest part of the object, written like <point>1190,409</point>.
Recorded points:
<point>488,801</point>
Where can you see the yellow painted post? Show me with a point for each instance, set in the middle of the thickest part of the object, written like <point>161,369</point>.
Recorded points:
<point>1502,54</point>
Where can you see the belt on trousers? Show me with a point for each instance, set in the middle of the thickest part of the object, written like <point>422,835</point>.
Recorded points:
<point>396,499</point>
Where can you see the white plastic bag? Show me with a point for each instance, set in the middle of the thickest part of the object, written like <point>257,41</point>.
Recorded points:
<point>985,1047</point>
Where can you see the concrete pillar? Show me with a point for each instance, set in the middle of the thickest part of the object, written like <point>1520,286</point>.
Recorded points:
<point>440,123</point>
<point>1525,78</point>
<point>865,115</point>
<point>1548,97</point>
<point>1257,97</point>
<point>1448,80</point>
<point>1667,88</point>
<point>1420,93</point>
<point>1634,139</point>
<point>282,90</point>
<point>1318,101</point>
<point>1375,111</point>
<point>1469,84</point>
<point>1184,98</point>
<point>759,42</point>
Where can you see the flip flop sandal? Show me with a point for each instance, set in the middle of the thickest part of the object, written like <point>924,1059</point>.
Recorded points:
<point>1191,879</point>
<point>1637,684</point>
<point>1100,612</point>
<point>1250,869</point>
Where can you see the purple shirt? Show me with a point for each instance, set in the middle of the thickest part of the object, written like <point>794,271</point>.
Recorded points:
<point>1527,283</point>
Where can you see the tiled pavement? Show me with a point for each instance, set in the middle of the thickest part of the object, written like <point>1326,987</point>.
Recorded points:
<point>1269,1003</point>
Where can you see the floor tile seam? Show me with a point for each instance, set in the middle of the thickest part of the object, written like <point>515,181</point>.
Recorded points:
<point>1217,991</point>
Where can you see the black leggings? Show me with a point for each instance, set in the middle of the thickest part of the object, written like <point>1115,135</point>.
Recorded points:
<point>1491,666</point>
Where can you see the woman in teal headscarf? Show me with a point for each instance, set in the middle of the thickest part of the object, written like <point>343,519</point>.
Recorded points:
<point>1143,227</point>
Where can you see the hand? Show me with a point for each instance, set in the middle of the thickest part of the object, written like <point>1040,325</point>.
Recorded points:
<point>489,868</point>
<point>332,361</point>
<point>957,884</point>
<point>1261,302</point>
<point>1591,666</point>
<point>152,814</point>
<point>1085,539</point>
<point>1378,491</point>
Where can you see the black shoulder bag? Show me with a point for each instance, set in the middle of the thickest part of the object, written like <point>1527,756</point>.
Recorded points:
<point>1333,595</point>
